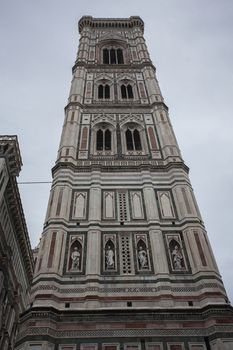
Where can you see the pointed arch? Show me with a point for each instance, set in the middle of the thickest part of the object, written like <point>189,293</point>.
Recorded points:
<point>129,91</point>
<point>123,92</point>
<point>106,91</point>
<point>109,205</point>
<point>120,58</point>
<point>129,140</point>
<point>142,255</point>
<point>166,206</point>
<point>113,56</point>
<point>80,205</point>
<point>109,255</point>
<point>176,254</point>
<point>105,56</point>
<point>99,140</point>
<point>137,140</point>
<point>108,140</point>
<point>137,209</point>
<point>100,91</point>
<point>75,260</point>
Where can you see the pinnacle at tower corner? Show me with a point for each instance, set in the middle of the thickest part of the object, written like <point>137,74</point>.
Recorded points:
<point>124,260</point>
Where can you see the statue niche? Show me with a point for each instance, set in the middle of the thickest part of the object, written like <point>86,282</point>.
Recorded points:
<point>75,259</point>
<point>109,256</point>
<point>142,255</point>
<point>176,255</point>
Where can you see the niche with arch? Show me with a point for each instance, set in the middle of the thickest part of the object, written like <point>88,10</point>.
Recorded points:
<point>75,254</point>
<point>142,253</point>
<point>176,252</point>
<point>109,253</point>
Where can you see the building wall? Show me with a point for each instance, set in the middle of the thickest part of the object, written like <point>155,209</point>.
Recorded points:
<point>15,252</point>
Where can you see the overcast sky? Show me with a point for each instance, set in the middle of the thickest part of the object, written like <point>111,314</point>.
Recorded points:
<point>191,45</point>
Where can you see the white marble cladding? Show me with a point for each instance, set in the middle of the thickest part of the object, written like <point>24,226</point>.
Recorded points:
<point>160,247</point>
<point>79,136</point>
<point>93,40</point>
<point>148,196</point>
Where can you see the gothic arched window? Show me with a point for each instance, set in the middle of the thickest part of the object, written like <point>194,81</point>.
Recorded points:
<point>100,91</point>
<point>123,91</point>
<point>133,140</point>
<point>107,91</point>
<point>105,56</point>
<point>129,91</point>
<point>103,140</point>
<point>137,140</point>
<point>129,140</point>
<point>113,56</point>
<point>99,140</point>
<point>120,58</point>
<point>126,92</point>
<point>103,91</point>
<point>108,140</point>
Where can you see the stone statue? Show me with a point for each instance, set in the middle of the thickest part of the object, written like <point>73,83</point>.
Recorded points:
<point>75,257</point>
<point>142,258</point>
<point>109,258</point>
<point>177,258</point>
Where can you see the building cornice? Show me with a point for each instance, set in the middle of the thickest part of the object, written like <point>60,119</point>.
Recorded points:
<point>116,105</point>
<point>106,67</point>
<point>9,149</point>
<point>119,23</point>
<point>111,168</point>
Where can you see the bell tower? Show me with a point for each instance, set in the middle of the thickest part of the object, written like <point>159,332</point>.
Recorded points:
<point>124,260</point>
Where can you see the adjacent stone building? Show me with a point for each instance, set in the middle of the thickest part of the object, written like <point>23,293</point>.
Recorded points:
<point>16,262</point>
<point>124,260</point>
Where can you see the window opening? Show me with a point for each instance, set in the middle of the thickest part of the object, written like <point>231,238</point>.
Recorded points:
<point>123,91</point>
<point>100,91</point>
<point>107,91</point>
<point>133,140</point>
<point>137,140</point>
<point>113,56</point>
<point>103,140</point>
<point>99,140</point>
<point>104,91</point>
<point>120,58</point>
<point>129,140</point>
<point>105,56</point>
<point>126,92</point>
<point>108,142</point>
<point>129,91</point>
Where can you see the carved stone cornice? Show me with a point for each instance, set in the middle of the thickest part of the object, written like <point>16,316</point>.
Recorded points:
<point>119,23</point>
<point>88,166</point>
<point>113,68</point>
<point>9,149</point>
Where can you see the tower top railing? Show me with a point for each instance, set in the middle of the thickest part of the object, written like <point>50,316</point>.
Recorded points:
<point>121,23</point>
